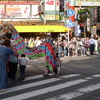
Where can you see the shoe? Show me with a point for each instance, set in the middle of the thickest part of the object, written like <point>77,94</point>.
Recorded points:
<point>3,90</point>
<point>75,55</point>
<point>55,76</point>
<point>13,80</point>
<point>45,75</point>
<point>23,78</point>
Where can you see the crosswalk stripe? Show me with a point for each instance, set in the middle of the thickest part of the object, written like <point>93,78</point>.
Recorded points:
<point>45,90</point>
<point>96,75</point>
<point>40,76</point>
<point>33,77</point>
<point>76,93</point>
<point>71,75</point>
<point>30,85</point>
<point>37,83</point>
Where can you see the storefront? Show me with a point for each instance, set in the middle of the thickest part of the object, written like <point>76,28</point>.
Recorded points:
<point>41,30</point>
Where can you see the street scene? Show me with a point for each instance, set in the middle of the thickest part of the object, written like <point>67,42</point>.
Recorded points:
<point>49,49</point>
<point>78,80</point>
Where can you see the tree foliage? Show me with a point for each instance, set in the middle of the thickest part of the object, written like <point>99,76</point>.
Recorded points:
<point>83,14</point>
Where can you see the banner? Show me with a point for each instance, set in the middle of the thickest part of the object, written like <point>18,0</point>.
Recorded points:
<point>2,11</point>
<point>18,11</point>
<point>87,2</point>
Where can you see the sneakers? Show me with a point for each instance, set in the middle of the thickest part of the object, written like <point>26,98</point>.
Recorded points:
<point>55,76</point>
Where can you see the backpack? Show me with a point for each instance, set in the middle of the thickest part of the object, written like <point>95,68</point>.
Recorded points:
<point>13,59</point>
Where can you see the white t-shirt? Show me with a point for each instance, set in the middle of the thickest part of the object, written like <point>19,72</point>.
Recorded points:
<point>23,61</point>
<point>38,42</point>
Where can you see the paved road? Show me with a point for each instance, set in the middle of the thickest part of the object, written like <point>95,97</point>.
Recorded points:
<point>79,79</point>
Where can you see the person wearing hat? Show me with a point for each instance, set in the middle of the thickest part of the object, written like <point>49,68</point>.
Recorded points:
<point>49,39</point>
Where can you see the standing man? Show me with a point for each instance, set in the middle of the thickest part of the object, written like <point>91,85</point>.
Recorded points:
<point>92,45</point>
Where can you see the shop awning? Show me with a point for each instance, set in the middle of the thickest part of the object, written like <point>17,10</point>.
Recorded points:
<point>42,28</point>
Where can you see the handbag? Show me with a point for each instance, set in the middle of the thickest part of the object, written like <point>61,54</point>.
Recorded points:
<point>7,68</point>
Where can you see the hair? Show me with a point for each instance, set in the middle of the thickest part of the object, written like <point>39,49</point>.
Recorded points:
<point>6,42</point>
<point>8,35</point>
<point>22,55</point>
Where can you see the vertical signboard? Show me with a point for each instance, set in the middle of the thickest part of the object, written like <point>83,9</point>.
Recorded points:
<point>57,5</point>
<point>2,11</point>
<point>95,13</point>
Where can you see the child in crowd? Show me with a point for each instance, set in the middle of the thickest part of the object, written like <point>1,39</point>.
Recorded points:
<point>22,63</point>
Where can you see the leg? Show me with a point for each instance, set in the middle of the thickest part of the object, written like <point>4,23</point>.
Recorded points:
<point>47,71</point>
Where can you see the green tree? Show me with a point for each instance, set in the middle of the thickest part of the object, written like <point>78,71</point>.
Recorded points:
<point>83,14</point>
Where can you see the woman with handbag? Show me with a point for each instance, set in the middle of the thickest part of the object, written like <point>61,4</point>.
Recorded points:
<point>5,51</point>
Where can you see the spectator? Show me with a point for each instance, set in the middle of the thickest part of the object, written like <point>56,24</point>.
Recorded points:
<point>37,41</point>
<point>22,63</point>
<point>92,46</point>
<point>98,42</point>
<point>5,51</point>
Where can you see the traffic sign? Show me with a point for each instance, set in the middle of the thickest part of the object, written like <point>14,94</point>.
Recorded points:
<point>70,24</point>
<point>70,12</point>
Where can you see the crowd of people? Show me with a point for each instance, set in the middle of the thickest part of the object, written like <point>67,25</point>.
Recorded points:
<point>72,47</point>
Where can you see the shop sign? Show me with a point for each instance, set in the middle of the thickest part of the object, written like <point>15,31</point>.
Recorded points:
<point>50,17</point>
<point>87,3</point>
<point>17,11</point>
<point>50,4</point>
<point>57,17</point>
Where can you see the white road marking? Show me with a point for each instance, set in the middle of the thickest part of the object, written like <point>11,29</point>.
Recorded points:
<point>71,75</point>
<point>33,77</point>
<point>35,83</point>
<point>30,85</point>
<point>96,75</point>
<point>40,76</point>
<point>45,90</point>
<point>76,93</point>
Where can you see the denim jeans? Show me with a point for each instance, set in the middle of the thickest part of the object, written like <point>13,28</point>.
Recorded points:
<point>22,70</point>
<point>65,52</point>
